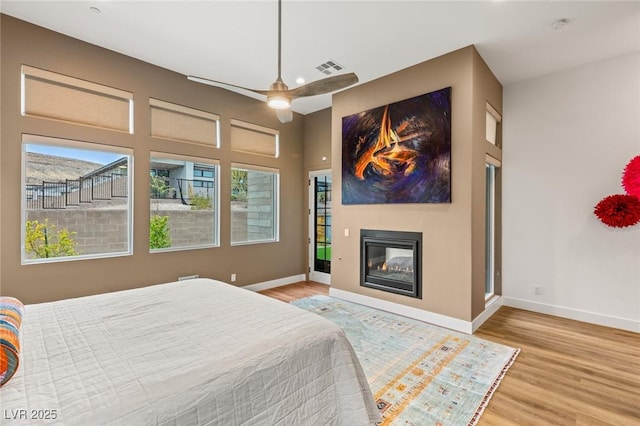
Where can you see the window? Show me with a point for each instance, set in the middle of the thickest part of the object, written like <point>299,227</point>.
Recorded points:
<point>198,171</point>
<point>493,120</point>
<point>491,167</point>
<point>160,172</point>
<point>183,195</point>
<point>76,201</point>
<point>254,204</point>
<point>205,176</point>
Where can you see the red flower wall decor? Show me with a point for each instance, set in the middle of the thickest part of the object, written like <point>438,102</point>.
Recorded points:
<point>631,177</point>
<point>618,211</point>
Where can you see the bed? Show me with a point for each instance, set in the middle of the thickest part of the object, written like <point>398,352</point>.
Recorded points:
<point>194,352</point>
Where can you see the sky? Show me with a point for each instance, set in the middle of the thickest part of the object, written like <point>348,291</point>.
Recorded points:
<point>93,156</point>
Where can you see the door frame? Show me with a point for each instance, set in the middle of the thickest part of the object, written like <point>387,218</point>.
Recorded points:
<point>320,277</point>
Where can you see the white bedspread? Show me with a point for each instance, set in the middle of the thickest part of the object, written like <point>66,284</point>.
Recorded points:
<point>195,352</point>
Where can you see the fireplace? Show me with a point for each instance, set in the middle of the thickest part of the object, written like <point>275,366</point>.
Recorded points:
<point>390,261</point>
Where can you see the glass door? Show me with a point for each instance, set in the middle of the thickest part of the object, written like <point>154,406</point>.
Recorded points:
<point>320,226</point>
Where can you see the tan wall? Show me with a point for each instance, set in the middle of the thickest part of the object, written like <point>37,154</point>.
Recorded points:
<point>486,88</point>
<point>450,254</point>
<point>24,43</point>
<point>317,145</point>
<point>317,140</point>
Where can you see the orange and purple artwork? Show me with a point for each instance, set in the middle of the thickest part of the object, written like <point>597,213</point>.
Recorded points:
<point>399,153</point>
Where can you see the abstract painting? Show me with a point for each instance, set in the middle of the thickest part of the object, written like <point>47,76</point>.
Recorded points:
<point>399,153</point>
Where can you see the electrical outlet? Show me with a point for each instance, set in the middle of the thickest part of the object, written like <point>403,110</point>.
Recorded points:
<point>537,290</point>
<point>233,277</point>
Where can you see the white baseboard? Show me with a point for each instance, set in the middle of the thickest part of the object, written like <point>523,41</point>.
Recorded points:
<point>574,314</point>
<point>489,310</point>
<point>407,311</point>
<point>320,278</point>
<point>467,327</point>
<point>275,283</point>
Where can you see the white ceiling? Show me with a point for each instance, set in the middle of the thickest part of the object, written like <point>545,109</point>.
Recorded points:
<point>236,41</point>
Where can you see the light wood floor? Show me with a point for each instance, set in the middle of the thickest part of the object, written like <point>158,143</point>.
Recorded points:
<point>567,373</point>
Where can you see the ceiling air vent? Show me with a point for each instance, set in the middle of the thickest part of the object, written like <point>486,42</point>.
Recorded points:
<point>329,67</point>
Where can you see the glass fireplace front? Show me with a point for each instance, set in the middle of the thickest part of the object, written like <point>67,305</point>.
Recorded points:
<point>390,261</point>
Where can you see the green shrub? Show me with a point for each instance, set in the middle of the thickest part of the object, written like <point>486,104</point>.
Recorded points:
<point>200,202</point>
<point>197,201</point>
<point>44,241</point>
<point>239,179</point>
<point>159,232</point>
<point>158,186</point>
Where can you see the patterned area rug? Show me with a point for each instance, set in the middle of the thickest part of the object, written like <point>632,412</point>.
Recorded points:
<point>420,374</point>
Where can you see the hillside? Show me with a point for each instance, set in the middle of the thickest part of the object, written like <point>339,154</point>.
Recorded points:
<point>41,167</point>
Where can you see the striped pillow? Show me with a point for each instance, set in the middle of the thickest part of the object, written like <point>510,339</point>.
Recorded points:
<point>11,312</point>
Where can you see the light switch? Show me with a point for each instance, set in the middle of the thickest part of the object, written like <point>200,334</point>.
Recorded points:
<point>346,232</point>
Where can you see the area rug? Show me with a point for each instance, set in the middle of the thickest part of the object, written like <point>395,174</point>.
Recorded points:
<point>419,374</point>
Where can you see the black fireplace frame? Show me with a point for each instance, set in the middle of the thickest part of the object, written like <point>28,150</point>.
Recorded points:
<point>394,239</point>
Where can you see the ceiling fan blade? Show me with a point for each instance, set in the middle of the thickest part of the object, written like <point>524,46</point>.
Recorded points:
<point>284,115</point>
<point>279,96</point>
<point>326,85</point>
<point>222,83</point>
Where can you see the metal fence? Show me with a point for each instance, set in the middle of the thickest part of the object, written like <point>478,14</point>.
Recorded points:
<point>188,191</point>
<point>73,193</point>
<point>59,195</point>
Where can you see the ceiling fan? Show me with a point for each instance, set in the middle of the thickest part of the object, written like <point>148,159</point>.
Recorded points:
<point>279,96</point>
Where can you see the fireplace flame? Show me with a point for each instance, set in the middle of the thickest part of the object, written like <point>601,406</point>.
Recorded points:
<point>393,268</point>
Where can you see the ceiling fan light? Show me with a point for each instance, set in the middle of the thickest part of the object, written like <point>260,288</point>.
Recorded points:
<point>278,102</point>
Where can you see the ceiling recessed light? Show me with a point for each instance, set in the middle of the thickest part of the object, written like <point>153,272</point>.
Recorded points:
<point>300,80</point>
<point>560,24</point>
<point>94,9</point>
